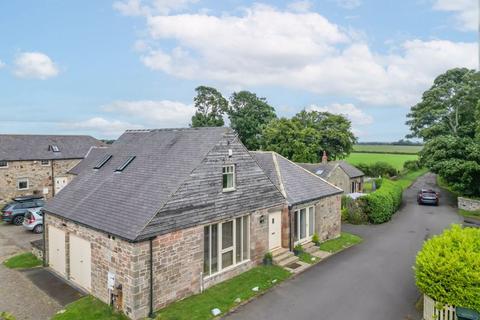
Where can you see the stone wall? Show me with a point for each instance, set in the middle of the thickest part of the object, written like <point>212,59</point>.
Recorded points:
<point>39,177</point>
<point>328,218</point>
<point>468,204</point>
<point>177,263</point>
<point>339,178</point>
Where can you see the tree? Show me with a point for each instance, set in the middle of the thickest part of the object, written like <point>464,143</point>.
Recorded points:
<point>211,106</point>
<point>304,137</point>
<point>447,107</point>
<point>248,116</point>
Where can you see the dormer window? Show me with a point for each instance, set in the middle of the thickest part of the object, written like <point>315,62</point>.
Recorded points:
<point>229,177</point>
<point>54,148</point>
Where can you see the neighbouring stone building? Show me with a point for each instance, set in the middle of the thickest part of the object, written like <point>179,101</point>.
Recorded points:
<point>161,215</point>
<point>39,164</point>
<point>340,173</point>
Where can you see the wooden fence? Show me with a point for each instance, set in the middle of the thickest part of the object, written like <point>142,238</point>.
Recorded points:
<point>431,312</point>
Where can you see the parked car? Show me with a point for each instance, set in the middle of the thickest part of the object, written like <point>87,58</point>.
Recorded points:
<point>33,220</point>
<point>428,196</point>
<point>14,212</point>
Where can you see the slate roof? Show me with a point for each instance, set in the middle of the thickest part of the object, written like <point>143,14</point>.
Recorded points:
<point>324,170</point>
<point>125,203</point>
<point>92,157</point>
<point>296,183</point>
<point>38,147</point>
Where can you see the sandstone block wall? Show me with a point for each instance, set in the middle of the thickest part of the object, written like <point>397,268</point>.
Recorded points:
<point>468,204</point>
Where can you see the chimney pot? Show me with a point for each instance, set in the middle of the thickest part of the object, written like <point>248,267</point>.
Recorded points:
<point>324,157</point>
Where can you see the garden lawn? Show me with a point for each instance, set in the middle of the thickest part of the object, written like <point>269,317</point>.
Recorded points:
<point>307,258</point>
<point>344,241</point>
<point>387,148</point>
<point>23,261</point>
<point>396,160</point>
<point>469,214</point>
<point>223,295</point>
<point>89,308</point>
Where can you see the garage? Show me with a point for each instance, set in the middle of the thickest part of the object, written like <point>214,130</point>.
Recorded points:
<point>56,249</point>
<point>80,262</point>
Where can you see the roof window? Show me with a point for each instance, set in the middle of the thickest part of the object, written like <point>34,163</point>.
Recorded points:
<point>102,162</point>
<point>54,148</point>
<point>125,164</point>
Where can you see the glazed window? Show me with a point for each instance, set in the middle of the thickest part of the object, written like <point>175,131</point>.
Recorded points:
<point>225,244</point>
<point>22,184</point>
<point>229,178</point>
<point>45,162</point>
<point>3,164</point>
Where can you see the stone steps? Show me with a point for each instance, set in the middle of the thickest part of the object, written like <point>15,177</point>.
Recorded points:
<point>310,247</point>
<point>283,257</point>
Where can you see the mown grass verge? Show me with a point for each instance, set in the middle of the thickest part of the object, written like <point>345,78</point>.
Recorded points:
<point>23,261</point>
<point>89,308</point>
<point>225,295</point>
<point>344,241</point>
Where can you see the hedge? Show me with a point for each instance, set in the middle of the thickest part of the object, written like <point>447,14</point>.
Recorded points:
<point>447,268</point>
<point>379,206</point>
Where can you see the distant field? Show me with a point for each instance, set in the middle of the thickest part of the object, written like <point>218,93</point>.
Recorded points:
<point>395,160</point>
<point>387,148</point>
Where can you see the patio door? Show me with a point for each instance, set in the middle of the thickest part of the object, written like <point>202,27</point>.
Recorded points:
<point>304,224</point>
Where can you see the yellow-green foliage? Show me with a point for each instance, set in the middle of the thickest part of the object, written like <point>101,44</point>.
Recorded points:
<point>380,205</point>
<point>448,267</point>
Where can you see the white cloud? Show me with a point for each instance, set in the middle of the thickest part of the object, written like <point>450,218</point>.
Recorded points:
<point>110,128</point>
<point>157,114</point>
<point>300,6</point>
<point>465,11</point>
<point>349,4</point>
<point>35,65</point>
<point>144,8</point>
<point>2,64</point>
<point>354,114</point>
<point>302,50</point>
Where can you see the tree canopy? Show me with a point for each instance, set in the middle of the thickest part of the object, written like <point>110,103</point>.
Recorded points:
<point>248,116</point>
<point>448,107</point>
<point>210,107</point>
<point>304,137</point>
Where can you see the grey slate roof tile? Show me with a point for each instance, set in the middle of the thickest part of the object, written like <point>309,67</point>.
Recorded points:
<point>299,184</point>
<point>36,147</point>
<point>324,170</point>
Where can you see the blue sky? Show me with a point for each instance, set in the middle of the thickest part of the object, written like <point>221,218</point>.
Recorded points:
<point>100,67</point>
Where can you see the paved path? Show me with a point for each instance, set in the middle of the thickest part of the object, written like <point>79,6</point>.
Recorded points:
<point>18,295</point>
<point>372,281</point>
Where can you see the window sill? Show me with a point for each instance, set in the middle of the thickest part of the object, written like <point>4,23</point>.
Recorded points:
<point>226,270</point>
<point>229,190</point>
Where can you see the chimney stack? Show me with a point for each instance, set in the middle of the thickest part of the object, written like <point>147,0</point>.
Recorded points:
<point>324,157</point>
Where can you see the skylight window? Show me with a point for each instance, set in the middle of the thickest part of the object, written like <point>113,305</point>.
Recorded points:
<point>123,166</point>
<point>54,148</point>
<point>319,172</point>
<point>102,162</point>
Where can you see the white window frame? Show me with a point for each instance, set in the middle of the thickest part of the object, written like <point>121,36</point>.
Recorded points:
<point>45,164</point>
<point>234,179</point>
<point>23,180</point>
<point>233,248</point>
<point>307,223</point>
<point>5,166</point>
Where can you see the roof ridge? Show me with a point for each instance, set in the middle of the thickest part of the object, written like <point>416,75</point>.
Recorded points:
<point>313,174</point>
<point>175,129</point>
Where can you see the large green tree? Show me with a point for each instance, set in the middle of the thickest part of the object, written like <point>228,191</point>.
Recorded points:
<point>248,116</point>
<point>448,107</point>
<point>210,107</point>
<point>304,137</point>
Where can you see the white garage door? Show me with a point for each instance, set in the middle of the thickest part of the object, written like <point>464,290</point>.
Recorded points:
<point>80,262</point>
<point>56,249</point>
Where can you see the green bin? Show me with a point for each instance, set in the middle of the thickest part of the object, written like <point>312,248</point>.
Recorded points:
<point>466,314</point>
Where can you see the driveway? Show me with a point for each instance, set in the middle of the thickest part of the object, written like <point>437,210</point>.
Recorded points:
<point>19,295</point>
<point>372,281</point>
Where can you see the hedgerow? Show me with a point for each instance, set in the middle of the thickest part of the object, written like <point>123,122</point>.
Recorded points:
<point>447,268</point>
<point>379,206</point>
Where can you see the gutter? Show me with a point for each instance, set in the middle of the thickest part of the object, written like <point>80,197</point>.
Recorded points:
<point>151,314</point>
<point>53,179</point>
<point>44,238</point>
<point>290,236</point>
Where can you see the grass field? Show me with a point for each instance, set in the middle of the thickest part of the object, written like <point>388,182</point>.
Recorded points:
<point>396,160</point>
<point>387,148</point>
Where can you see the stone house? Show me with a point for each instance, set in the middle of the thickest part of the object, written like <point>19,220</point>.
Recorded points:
<point>39,164</point>
<point>161,215</point>
<point>340,173</point>
<point>313,206</point>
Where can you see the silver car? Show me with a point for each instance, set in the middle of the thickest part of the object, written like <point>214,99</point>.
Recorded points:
<point>34,220</point>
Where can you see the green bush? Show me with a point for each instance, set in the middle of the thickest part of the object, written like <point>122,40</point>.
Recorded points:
<point>355,212</point>
<point>447,268</point>
<point>378,169</point>
<point>379,206</point>
<point>316,239</point>
<point>412,165</point>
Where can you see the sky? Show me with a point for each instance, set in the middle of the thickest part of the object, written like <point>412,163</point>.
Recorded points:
<point>100,67</point>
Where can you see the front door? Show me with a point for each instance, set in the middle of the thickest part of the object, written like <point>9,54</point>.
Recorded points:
<point>60,183</point>
<point>274,230</point>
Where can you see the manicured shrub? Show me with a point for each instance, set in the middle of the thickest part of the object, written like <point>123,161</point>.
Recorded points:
<point>447,268</point>
<point>316,239</point>
<point>379,206</point>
